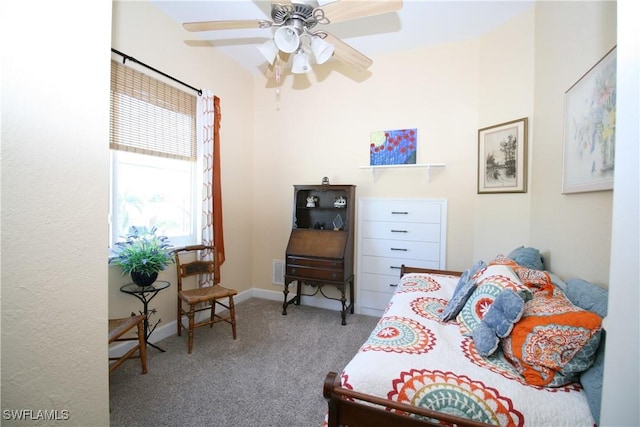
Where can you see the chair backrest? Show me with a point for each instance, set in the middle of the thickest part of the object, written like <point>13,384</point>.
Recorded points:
<point>189,262</point>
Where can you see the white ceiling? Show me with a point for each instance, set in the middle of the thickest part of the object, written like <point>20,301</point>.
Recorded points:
<point>418,23</point>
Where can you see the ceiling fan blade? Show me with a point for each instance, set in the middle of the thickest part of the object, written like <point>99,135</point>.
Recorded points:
<point>227,25</point>
<point>345,53</point>
<point>344,10</point>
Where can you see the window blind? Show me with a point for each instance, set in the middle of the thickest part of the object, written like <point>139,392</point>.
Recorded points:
<point>148,116</point>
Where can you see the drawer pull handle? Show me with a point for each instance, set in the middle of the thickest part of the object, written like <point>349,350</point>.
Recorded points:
<point>399,249</point>
<point>399,213</point>
<point>399,231</point>
<point>394,267</point>
<point>393,285</point>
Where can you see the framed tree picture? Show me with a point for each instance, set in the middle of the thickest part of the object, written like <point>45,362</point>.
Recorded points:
<point>590,129</point>
<point>502,158</point>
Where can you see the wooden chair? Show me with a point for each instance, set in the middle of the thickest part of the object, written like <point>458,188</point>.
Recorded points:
<point>201,298</point>
<point>118,328</point>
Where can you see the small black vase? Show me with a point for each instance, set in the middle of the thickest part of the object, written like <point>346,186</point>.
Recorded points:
<point>143,279</point>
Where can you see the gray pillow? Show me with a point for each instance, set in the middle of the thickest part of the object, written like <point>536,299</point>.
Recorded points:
<point>591,297</point>
<point>588,296</point>
<point>591,380</point>
<point>462,292</point>
<point>527,257</point>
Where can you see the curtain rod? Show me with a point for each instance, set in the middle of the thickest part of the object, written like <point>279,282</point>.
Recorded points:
<point>131,58</point>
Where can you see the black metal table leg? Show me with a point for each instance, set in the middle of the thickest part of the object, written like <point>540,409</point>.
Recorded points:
<point>146,294</point>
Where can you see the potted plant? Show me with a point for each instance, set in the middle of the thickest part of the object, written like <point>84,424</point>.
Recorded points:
<point>142,255</point>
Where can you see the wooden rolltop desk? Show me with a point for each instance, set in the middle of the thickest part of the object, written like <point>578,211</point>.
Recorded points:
<point>320,248</point>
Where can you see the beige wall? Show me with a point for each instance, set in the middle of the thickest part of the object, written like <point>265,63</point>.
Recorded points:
<point>576,228</point>
<point>501,221</point>
<point>55,188</point>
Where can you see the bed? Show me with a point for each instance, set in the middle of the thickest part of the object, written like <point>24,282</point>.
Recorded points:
<point>417,369</point>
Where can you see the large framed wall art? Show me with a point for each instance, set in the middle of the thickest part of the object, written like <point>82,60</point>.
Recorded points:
<point>502,158</point>
<point>590,129</point>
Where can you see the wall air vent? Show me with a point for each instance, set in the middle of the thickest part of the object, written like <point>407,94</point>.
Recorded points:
<point>277,272</point>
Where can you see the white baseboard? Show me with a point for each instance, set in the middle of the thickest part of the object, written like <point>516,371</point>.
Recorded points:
<point>369,311</point>
<point>171,328</point>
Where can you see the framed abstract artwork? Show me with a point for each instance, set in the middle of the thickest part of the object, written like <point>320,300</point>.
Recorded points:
<point>590,129</point>
<point>393,147</point>
<point>502,158</point>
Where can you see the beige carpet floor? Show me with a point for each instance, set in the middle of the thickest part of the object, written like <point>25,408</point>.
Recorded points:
<point>271,375</point>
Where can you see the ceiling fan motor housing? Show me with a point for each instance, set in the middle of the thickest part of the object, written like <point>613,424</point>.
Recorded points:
<point>298,12</point>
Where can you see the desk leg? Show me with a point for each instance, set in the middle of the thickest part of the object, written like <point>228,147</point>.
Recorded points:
<point>351,295</point>
<point>295,299</point>
<point>343,300</point>
<point>340,286</point>
<point>298,292</point>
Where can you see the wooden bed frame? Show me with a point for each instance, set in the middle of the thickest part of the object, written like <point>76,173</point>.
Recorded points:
<point>354,409</point>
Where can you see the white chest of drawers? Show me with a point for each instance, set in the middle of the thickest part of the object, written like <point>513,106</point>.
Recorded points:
<point>392,232</point>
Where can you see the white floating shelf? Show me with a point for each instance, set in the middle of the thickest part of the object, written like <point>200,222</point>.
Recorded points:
<point>428,166</point>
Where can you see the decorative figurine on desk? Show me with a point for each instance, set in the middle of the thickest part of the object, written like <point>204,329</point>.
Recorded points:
<point>311,201</point>
<point>340,202</point>
<point>338,223</point>
<point>325,180</point>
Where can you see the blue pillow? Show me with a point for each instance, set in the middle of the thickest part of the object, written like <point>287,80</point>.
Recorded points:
<point>587,296</point>
<point>527,257</point>
<point>506,311</point>
<point>462,292</point>
<point>591,297</point>
<point>591,380</point>
<point>485,339</point>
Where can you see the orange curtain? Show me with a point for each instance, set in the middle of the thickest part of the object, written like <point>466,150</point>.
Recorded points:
<point>218,235</point>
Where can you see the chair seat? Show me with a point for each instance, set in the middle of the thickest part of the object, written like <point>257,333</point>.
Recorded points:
<point>117,329</point>
<point>195,296</point>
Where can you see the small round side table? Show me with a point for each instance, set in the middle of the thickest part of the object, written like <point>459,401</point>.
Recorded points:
<point>146,294</point>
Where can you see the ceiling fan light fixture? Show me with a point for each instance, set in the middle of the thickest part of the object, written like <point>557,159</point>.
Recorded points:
<point>321,49</point>
<point>269,50</point>
<point>287,39</point>
<point>301,63</point>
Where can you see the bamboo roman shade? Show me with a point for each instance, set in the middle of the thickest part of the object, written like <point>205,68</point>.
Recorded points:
<point>149,116</point>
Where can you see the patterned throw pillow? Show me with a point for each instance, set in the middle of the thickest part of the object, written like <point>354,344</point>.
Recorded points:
<point>462,292</point>
<point>530,277</point>
<point>493,280</point>
<point>554,341</point>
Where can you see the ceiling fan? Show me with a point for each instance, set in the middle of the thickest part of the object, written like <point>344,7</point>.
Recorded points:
<point>296,33</point>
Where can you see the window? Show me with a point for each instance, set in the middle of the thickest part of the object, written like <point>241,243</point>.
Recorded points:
<point>153,157</point>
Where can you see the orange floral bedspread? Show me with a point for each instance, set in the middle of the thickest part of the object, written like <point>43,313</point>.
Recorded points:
<point>414,357</point>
